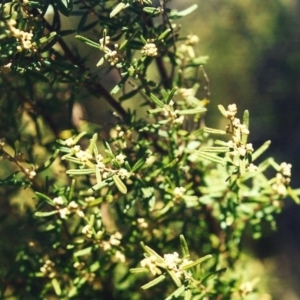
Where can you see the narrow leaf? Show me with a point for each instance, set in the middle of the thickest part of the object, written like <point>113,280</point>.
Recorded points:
<point>82,252</point>
<point>196,262</point>
<point>156,100</point>
<point>87,41</point>
<point>154,282</point>
<point>261,150</point>
<point>138,270</point>
<point>187,294</point>
<point>120,185</point>
<point>46,198</point>
<point>214,131</point>
<point>49,162</point>
<point>82,21</point>
<point>211,157</point>
<point>223,110</point>
<point>65,7</point>
<point>184,247</point>
<point>118,8</point>
<point>214,149</point>
<point>177,293</point>
<point>293,195</point>
<point>164,34</point>
<point>246,123</point>
<point>150,252</point>
<point>192,111</point>
<point>152,10</point>
<point>45,214</point>
<point>56,286</point>
<point>80,171</point>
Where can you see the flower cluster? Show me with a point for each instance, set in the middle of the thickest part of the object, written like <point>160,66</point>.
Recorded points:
<point>150,49</point>
<point>171,114</point>
<point>105,170</point>
<point>186,50</point>
<point>23,38</point>
<point>114,240</point>
<point>282,179</point>
<point>171,262</point>
<point>64,211</point>
<point>178,193</point>
<point>110,55</point>
<point>30,173</point>
<point>48,269</point>
<point>237,130</point>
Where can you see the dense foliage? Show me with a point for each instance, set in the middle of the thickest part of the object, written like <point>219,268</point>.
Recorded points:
<point>151,203</point>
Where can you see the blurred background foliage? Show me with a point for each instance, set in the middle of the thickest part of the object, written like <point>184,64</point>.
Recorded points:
<point>254,61</point>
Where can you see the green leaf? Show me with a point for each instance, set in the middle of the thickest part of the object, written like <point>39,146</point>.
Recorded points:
<point>82,21</point>
<point>261,150</point>
<point>152,10</point>
<point>64,6</point>
<point>37,75</point>
<point>198,61</point>
<point>223,110</point>
<point>80,171</point>
<point>184,247</point>
<point>171,95</point>
<point>118,8</point>
<point>138,270</point>
<point>45,214</point>
<point>56,286</point>
<point>164,34</point>
<point>46,198</point>
<point>49,162</point>
<point>293,195</point>
<point>246,123</point>
<point>177,293</point>
<point>154,282</point>
<point>82,252</point>
<point>176,14</point>
<point>214,149</point>
<point>151,252</point>
<point>156,100</point>
<point>120,185</point>
<point>214,131</point>
<point>211,157</point>
<point>129,95</point>
<point>196,262</point>
<point>118,87</point>
<point>138,165</point>
<point>213,274</point>
<point>87,41</point>
<point>242,169</point>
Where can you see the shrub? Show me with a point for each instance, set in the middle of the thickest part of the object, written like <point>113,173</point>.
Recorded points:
<point>153,204</point>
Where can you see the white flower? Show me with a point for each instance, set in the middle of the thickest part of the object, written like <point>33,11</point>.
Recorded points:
<point>179,192</point>
<point>86,230</point>
<point>150,49</point>
<point>192,39</point>
<point>123,173</point>
<point>121,158</point>
<point>69,142</point>
<point>142,223</point>
<point>64,212</point>
<point>119,256</point>
<point>172,260</point>
<point>150,263</point>
<point>231,110</point>
<point>58,201</point>
<point>286,169</point>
